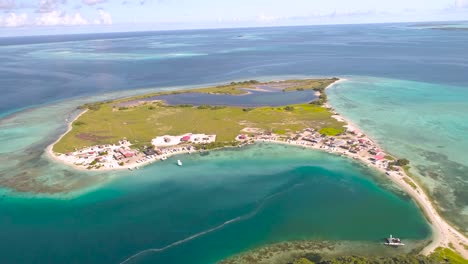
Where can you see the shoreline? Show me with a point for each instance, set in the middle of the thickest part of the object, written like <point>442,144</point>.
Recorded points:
<point>49,149</point>
<point>57,157</point>
<point>443,234</point>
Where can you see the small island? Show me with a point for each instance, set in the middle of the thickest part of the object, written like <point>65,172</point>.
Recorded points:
<point>132,132</point>
<point>123,133</point>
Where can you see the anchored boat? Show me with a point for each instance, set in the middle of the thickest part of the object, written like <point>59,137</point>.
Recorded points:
<point>393,241</point>
<point>179,163</point>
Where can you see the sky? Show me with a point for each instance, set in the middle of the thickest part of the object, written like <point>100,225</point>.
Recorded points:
<point>29,16</point>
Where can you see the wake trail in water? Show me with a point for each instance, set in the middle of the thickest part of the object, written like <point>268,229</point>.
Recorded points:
<point>237,219</point>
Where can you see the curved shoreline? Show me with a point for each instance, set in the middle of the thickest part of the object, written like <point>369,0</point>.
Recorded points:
<point>49,150</point>
<point>444,235</point>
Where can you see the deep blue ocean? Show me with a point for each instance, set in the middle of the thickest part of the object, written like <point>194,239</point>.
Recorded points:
<point>36,70</point>
<point>406,86</point>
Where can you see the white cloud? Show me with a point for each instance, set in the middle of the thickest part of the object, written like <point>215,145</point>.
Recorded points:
<point>264,18</point>
<point>7,4</point>
<point>14,20</point>
<point>93,2</point>
<point>461,3</point>
<point>57,18</point>
<point>104,17</point>
<point>46,6</point>
<point>54,18</point>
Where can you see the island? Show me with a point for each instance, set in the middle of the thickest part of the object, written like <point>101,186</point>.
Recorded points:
<point>131,132</point>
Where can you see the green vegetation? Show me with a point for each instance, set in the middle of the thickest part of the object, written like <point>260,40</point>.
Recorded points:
<point>406,169</point>
<point>316,252</point>
<point>216,107</point>
<point>245,82</point>
<point>238,88</point>
<point>410,183</point>
<point>331,131</point>
<point>79,123</point>
<point>105,123</point>
<point>140,125</point>
<point>441,255</point>
<point>318,85</point>
<point>401,162</point>
<point>446,255</point>
<point>303,261</point>
<point>233,88</point>
<point>92,106</point>
<point>216,145</point>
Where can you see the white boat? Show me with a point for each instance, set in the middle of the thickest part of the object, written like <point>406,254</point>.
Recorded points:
<point>393,241</point>
<point>179,163</point>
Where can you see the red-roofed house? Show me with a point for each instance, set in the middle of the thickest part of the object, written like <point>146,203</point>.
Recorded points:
<point>379,156</point>
<point>185,138</point>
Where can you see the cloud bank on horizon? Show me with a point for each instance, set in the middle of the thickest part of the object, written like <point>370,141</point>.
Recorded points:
<point>212,13</point>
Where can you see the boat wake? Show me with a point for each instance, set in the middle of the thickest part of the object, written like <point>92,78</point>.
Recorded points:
<point>260,205</point>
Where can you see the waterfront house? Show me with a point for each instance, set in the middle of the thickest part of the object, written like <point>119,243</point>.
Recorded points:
<point>379,156</point>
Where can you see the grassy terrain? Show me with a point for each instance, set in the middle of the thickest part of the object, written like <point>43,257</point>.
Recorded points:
<point>441,255</point>
<point>239,88</point>
<point>445,255</point>
<point>142,123</point>
<point>410,183</point>
<point>106,123</point>
<point>331,131</point>
<point>234,88</point>
<point>311,84</point>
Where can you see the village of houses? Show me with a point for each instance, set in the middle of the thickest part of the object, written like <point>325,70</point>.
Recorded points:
<point>351,144</point>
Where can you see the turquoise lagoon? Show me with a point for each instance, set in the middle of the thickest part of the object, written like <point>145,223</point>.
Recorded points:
<point>231,200</point>
<point>426,123</point>
<point>234,199</point>
<point>273,193</point>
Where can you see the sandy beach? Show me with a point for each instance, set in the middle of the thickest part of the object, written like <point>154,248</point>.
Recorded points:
<point>49,150</point>
<point>137,162</point>
<point>444,235</point>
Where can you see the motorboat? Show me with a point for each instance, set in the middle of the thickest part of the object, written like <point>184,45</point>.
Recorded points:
<point>393,241</point>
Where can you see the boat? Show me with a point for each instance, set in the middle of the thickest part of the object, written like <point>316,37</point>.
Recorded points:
<point>179,163</point>
<point>393,241</point>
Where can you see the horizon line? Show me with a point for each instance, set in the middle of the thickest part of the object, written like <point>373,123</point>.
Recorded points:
<point>145,30</point>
